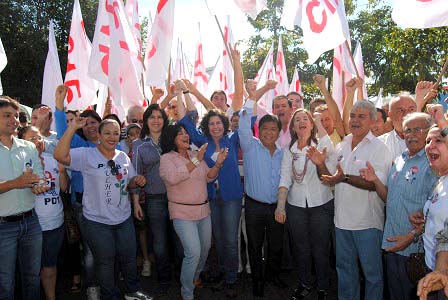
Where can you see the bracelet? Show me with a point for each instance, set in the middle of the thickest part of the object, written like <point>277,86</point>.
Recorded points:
<point>195,161</point>
<point>186,92</point>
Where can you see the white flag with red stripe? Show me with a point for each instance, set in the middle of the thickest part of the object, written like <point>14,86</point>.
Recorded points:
<point>295,82</point>
<point>281,74</point>
<point>113,55</point>
<point>323,22</point>
<point>179,70</point>
<point>3,63</point>
<point>420,13</point>
<point>225,68</point>
<point>131,9</point>
<point>251,7</point>
<point>81,87</point>
<point>341,74</point>
<point>200,78</point>
<point>52,72</point>
<point>266,72</point>
<point>158,49</point>
<point>357,56</point>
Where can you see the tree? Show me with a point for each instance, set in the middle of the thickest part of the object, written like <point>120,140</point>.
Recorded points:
<point>24,33</point>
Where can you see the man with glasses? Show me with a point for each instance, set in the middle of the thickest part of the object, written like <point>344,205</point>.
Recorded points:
<point>399,107</point>
<point>21,178</point>
<point>409,185</point>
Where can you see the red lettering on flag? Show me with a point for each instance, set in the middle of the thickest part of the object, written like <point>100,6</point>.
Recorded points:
<point>70,67</point>
<point>105,60</point>
<point>71,44</point>
<point>316,27</point>
<point>111,9</point>
<point>161,5</point>
<point>69,84</point>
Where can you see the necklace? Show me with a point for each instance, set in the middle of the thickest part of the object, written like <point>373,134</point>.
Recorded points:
<point>298,177</point>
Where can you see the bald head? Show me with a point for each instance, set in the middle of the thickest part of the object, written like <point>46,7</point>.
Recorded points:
<point>400,106</point>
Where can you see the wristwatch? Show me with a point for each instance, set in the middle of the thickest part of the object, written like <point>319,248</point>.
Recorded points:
<point>416,236</point>
<point>444,131</point>
<point>346,177</point>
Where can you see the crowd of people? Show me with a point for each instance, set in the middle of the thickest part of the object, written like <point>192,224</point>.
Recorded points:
<point>369,181</point>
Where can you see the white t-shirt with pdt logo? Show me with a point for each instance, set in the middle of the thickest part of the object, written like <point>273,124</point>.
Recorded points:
<point>105,199</point>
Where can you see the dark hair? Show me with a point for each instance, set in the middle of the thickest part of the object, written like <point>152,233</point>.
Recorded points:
<point>85,114</point>
<point>218,92</point>
<point>383,114</point>
<point>113,117</point>
<point>235,114</point>
<point>37,106</point>
<point>214,113</point>
<point>293,93</point>
<point>8,101</point>
<point>293,133</point>
<point>23,118</point>
<point>168,136</point>
<point>21,131</point>
<point>270,118</point>
<point>148,112</point>
<point>74,112</point>
<point>281,97</point>
<point>106,122</point>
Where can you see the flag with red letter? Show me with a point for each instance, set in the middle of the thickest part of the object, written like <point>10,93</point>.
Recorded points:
<point>251,7</point>
<point>266,72</point>
<point>200,78</point>
<point>113,55</point>
<point>158,49</point>
<point>323,22</point>
<point>295,82</point>
<point>281,75</point>
<point>81,87</point>
<point>3,63</point>
<point>357,56</point>
<point>52,72</point>
<point>342,73</point>
<point>420,13</point>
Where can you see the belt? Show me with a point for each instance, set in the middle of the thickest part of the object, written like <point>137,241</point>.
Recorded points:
<point>190,204</point>
<point>16,218</point>
<point>259,202</point>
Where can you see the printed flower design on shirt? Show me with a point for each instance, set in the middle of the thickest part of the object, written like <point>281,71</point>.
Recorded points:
<point>121,184</point>
<point>410,174</point>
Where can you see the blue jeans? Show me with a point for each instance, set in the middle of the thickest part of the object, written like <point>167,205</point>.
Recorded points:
<point>195,237</point>
<point>88,265</point>
<point>20,241</point>
<point>108,242</point>
<point>365,245</point>
<point>225,220</point>
<point>159,223</point>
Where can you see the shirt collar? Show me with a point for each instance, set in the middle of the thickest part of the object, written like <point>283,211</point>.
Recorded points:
<point>406,155</point>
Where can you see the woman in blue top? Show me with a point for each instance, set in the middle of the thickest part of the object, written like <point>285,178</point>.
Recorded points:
<point>226,191</point>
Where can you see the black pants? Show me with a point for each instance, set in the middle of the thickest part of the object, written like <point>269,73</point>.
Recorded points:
<point>260,221</point>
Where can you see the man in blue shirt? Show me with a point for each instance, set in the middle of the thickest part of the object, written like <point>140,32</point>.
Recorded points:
<point>20,233</point>
<point>262,162</point>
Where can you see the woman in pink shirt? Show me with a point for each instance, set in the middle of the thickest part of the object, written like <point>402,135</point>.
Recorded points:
<point>185,175</point>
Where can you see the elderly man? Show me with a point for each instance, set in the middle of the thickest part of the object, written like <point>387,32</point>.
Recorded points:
<point>20,232</point>
<point>409,185</point>
<point>399,106</point>
<point>135,115</point>
<point>359,212</point>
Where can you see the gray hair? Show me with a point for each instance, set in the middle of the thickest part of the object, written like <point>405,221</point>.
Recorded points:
<point>429,121</point>
<point>398,97</point>
<point>366,105</point>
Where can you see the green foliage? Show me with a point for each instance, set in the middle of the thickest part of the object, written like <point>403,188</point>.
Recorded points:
<point>24,33</point>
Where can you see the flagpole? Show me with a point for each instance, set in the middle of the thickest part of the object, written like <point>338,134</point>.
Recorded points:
<point>351,58</point>
<point>445,67</point>
<point>224,40</point>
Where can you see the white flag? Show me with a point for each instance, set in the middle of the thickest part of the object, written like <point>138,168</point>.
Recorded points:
<point>295,83</point>
<point>225,68</point>
<point>81,87</point>
<point>281,74</point>
<point>3,63</point>
<point>420,13</point>
<point>131,9</point>
<point>340,75</point>
<point>200,78</point>
<point>113,55</point>
<point>158,49</point>
<point>324,24</point>
<point>357,56</point>
<point>266,72</point>
<point>180,70</point>
<point>52,72</point>
<point>251,7</point>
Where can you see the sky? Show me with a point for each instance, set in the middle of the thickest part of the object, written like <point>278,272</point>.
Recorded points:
<point>187,16</point>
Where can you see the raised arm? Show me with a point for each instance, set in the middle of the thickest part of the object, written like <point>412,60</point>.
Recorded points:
<point>195,92</point>
<point>319,81</point>
<point>269,85</point>
<point>157,93</point>
<point>62,150</point>
<point>237,101</point>
<point>351,87</point>
<point>180,88</point>
<point>171,94</point>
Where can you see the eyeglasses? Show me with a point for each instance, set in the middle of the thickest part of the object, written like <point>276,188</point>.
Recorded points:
<point>113,167</point>
<point>135,121</point>
<point>415,130</point>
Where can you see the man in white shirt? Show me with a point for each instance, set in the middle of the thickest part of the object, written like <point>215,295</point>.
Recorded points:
<point>359,212</point>
<point>400,106</point>
<point>282,108</point>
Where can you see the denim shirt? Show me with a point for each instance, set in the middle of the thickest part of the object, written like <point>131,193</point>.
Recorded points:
<point>410,183</point>
<point>229,176</point>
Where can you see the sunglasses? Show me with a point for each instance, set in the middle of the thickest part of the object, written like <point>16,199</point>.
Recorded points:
<point>113,167</point>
